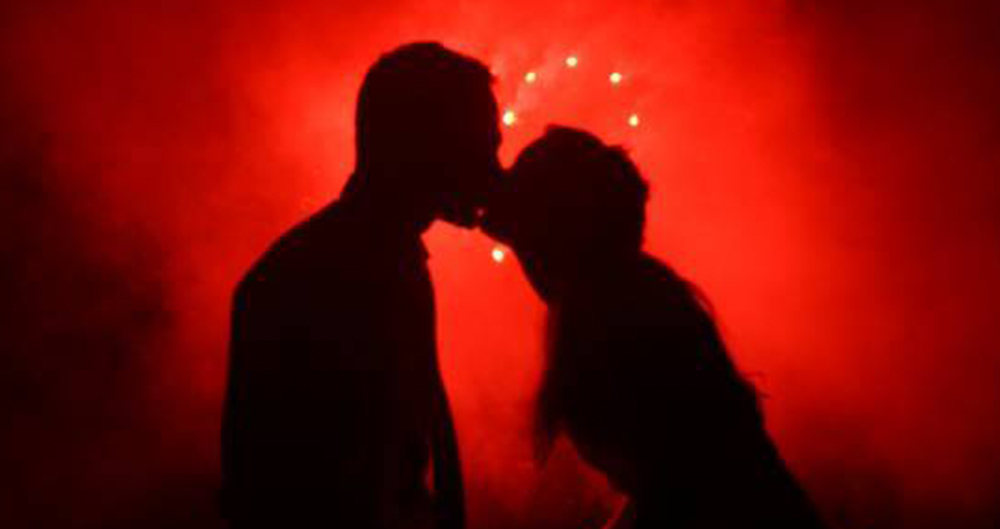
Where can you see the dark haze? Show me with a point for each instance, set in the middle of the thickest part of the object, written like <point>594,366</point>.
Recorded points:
<point>150,150</point>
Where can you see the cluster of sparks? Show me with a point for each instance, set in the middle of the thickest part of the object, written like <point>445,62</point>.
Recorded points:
<point>509,119</point>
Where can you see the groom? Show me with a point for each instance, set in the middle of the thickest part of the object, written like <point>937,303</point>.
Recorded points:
<point>335,411</point>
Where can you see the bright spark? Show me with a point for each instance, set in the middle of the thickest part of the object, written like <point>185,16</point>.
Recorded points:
<point>633,120</point>
<point>498,254</point>
<point>615,77</point>
<point>530,77</point>
<point>509,118</point>
<point>572,61</point>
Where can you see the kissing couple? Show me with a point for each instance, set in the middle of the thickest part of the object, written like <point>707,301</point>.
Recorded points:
<point>335,412</point>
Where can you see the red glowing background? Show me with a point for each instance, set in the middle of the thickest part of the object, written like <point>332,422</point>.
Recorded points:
<point>827,173</point>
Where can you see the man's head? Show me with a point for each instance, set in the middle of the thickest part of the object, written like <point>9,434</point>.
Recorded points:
<point>427,134</point>
<point>570,204</point>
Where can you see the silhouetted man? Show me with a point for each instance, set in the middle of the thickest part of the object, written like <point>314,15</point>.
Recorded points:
<point>336,413</point>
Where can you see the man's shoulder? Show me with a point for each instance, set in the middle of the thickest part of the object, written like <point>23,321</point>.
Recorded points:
<point>313,244</point>
<point>332,248</point>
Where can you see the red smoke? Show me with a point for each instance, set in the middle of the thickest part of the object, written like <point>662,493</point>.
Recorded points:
<point>827,174</point>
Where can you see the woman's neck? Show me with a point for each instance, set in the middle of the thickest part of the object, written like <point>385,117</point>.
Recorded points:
<point>598,273</point>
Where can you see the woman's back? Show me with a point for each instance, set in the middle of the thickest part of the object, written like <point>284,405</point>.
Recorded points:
<point>641,381</point>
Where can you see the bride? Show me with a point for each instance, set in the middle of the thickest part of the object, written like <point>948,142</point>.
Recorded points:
<point>636,374</point>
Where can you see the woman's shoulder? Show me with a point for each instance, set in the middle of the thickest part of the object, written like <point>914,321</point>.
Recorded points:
<point>645,301</point>
<point>623,516</point>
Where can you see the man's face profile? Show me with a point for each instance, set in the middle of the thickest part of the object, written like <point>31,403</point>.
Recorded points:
<point>471,167</point>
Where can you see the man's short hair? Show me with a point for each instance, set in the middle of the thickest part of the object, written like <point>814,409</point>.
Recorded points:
<point>407,93</point>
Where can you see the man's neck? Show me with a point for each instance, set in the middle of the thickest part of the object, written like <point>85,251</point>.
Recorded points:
<point>386,213</point>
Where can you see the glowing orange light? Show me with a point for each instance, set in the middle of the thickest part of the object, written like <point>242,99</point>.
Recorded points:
<point>498,254</point>
<point>509,118</point>
<point>572,61</point>
<point>615,77</point>
<point>530,77</point>
<point>633,120</point>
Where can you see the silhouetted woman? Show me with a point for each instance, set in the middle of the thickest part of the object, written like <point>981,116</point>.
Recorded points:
<point>636,375</point>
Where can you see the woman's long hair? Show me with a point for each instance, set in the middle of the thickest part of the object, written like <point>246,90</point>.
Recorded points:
<point>634,389</point>
<point>583,202</point>
<point>637,373</point>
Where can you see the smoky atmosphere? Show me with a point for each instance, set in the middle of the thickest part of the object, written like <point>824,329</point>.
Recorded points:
<point>826,173</point>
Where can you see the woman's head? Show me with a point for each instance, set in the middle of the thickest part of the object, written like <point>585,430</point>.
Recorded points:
<point>569,203</point>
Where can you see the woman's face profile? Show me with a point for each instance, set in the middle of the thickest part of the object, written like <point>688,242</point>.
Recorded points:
<point>534,268</point>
